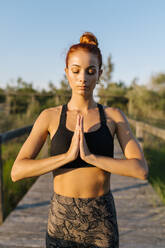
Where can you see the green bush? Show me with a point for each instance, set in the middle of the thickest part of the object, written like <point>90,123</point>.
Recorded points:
<point>13,191</point>
<point>154,150</point>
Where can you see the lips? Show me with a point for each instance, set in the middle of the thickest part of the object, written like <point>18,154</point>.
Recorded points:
<point>82,87</point>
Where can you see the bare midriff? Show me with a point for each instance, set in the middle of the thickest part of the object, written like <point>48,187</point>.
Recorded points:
<point>81,182</point>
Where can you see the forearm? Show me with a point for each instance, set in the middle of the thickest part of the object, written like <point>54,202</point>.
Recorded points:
<point>30,167</point>
<point>125,167</point>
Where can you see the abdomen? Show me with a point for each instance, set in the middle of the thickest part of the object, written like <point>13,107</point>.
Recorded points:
<point>81,182</point>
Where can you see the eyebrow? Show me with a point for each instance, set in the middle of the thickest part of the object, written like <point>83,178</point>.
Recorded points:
<point>88,66</point>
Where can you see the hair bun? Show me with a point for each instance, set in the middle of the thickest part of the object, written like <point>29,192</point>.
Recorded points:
<point>89,38</point>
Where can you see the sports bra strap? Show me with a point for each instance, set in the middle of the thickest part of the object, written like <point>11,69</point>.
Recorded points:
<point>102,114</point>
<point>64,109</point>
<point>63,115</point>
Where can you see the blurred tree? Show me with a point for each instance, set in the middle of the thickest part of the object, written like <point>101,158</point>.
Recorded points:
<point>145,104</point>
<point>20,95</point>
<point>106,75</point>
<point>52,87</point>
<point>111,93</point>
<point>2,96</point>
<point>64,92</point>
<point>24,103</point>
<point>157,82</point>
<point>21,86</point>
<point>65,84</point>
<point>33,109</point>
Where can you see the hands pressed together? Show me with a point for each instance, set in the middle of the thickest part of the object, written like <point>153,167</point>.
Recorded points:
<point>78,142</point>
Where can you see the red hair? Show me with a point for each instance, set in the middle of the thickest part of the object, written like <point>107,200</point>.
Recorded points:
<point>89,43</point>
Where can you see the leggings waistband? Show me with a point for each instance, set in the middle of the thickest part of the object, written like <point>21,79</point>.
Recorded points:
<point>55,195</point>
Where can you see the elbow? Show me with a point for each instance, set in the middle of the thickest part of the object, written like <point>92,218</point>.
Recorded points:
<point>142,171</point>
<point>13,179</point>
<point>143,175</point>
<point>13,176</point>
<point>145,172</point>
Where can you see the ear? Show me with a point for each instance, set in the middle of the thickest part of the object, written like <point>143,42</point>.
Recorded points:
<point>66,71</point>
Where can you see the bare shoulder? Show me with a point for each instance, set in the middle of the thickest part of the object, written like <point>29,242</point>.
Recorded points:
<point>45,118</point>
<point>53,116</point>
<point>116,114</point>
<point>119,120</point>
<point>50,113</point>
<point>55,110</point>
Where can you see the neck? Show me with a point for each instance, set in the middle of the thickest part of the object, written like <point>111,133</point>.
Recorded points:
<point>78,102</point>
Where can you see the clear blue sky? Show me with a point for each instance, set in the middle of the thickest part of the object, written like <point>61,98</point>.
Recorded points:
<point>35,35</point>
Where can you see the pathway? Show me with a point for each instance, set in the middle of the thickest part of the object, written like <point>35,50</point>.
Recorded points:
<point>141,215</point>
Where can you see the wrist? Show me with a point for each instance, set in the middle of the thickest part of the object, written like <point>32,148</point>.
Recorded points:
<point>67,157</point>
<point>91,159</point>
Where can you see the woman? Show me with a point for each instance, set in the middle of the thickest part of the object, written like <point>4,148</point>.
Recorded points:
<point>82,211</point>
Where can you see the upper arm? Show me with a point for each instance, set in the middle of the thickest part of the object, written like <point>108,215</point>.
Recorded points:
<point>128,142</point>
<point>36,138</point>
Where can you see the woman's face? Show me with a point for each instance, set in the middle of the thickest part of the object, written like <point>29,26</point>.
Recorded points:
<point>82,72</point>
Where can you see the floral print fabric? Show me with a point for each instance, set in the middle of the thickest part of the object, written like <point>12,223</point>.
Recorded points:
<point>82,222</point>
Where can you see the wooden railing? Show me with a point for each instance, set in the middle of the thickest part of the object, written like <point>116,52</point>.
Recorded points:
<point>3,138</point>
<point>142,127</point>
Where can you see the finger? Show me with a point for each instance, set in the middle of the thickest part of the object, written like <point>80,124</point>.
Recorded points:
<point>78,122</point>
<point>82,153</point>
<point>82,133</point>
<point>82,124</point>
<point>81,141</point>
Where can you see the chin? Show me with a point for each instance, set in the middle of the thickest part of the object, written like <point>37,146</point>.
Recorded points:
<point>83,93</point>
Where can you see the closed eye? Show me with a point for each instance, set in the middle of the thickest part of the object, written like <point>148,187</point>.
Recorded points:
<point>75,70</point>
<point>91,71</point>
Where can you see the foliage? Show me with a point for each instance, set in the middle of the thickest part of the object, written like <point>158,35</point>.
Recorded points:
<point>21,86</point>
<point>2,97</point>
<point>111,93</point>
<point>13,192</point>
<point>157,82</point>
<point>108,69</point>
<point>145,104</point>
<point>154,150</point>
<point>142,102</point>
<point>64,92</point>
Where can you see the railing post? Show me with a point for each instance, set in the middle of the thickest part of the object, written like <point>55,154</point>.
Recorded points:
<point>139,133</point>
<point>1,183</point>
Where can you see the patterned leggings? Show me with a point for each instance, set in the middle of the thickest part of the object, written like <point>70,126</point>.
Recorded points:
<point>82,222</point>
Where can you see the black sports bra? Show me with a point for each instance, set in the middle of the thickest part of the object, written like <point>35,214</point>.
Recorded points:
<point>99,142</point>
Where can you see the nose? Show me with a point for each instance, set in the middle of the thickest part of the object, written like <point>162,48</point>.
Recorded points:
<point>82,77</point>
